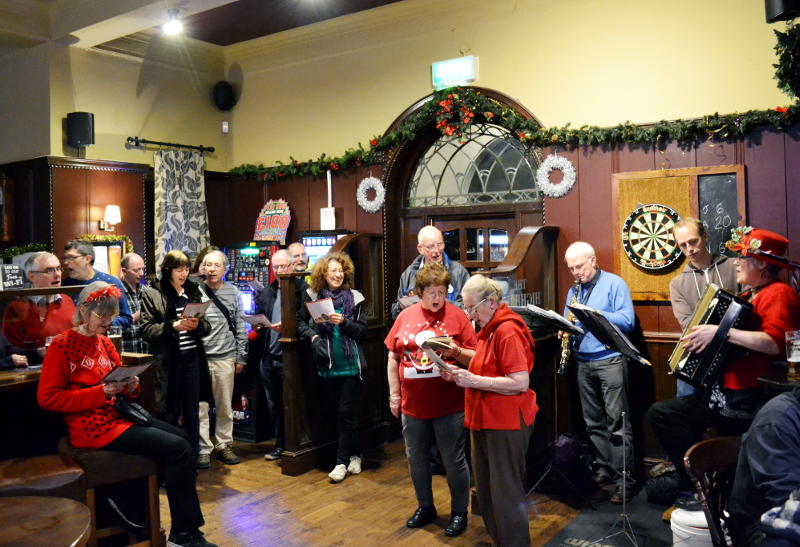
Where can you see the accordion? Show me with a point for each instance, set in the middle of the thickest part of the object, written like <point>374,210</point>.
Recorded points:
<point>716,307</point>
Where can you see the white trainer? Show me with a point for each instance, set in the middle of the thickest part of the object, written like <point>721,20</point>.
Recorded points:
<point>354,468</point>
<point>339,473</point>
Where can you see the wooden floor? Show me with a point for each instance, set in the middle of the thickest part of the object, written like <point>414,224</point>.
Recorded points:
<point>252,503</point>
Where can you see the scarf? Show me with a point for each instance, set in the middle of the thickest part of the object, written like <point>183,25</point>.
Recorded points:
<point>342,300</point>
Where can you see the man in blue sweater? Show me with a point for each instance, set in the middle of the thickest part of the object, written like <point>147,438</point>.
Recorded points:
<point>601,372</point>
<point>78,260</point>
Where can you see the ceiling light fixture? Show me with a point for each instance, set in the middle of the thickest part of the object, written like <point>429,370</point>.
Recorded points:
<point>173,26</point>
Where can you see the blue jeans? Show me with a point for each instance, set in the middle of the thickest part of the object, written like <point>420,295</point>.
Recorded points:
<point>448,433</point>
<point>603,399</point>
<point>683,389</point>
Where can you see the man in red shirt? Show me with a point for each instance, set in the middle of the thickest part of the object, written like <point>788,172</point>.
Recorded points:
<point>29,322</point>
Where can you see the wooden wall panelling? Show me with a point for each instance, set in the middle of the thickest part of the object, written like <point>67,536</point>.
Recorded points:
<point>596,228</point>
<point>766,180</point>
<point>674,156</point>
<point>70,202</point>
<point>633,157</point>
<point>233,205</point>
<point>564,213</point>
<point>792,151</point>
<point>295,192</point>
<point>367,223</point>
<point>710,153</point>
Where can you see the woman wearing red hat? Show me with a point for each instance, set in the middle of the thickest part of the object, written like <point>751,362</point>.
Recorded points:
<point>731,404</point>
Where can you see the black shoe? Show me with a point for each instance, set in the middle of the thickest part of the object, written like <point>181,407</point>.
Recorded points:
<point>458,523</point>
<point>621,495</point>
<point>274,455</point>
<point>187,539</point>
<point>689,503</point>
<point>422,517</point>
<point>601,479</point>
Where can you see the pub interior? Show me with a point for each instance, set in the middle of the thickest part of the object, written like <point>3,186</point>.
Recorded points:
<point>267,123</point>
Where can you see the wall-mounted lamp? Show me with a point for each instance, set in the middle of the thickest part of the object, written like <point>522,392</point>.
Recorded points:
<point>173,25</point>
<point>110,219</point>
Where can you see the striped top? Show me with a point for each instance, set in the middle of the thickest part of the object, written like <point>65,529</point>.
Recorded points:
<point>185,340</point>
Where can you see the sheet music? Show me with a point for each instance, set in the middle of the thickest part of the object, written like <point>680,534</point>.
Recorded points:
<point>606,332</point>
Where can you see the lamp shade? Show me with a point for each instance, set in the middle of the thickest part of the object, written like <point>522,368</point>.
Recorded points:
<point>112,215</point>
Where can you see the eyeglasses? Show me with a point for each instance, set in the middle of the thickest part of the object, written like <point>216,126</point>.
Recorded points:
<point>105,318</point>
<point>474,308</point>
<point>70,258</point>
<point>48,271</point>
<point>433,246</point>
<point>434,293</point>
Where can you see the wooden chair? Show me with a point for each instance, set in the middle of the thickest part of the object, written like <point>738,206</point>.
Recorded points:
<point>105,468</point>
<point>711,464</point>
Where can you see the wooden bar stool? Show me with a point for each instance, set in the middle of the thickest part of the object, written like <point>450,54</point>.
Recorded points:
<point>55,475</point>
<point>106,468</point>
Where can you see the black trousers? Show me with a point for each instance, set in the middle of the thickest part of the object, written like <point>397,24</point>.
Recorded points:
<point>272,379</point>
<point>679,423</point>
<point>169,446</point>
<point>343,393</point>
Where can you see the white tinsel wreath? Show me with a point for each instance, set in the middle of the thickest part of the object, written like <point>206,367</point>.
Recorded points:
<point>551,163</point>
<point>367,184</point>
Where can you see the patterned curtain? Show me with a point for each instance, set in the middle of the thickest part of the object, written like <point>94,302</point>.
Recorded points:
<point>181,221</point>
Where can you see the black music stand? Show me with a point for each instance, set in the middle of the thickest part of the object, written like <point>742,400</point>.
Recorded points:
<point>541,319</point>
<point>606,332</point>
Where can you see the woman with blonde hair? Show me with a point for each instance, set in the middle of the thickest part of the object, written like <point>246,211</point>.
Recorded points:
<point>336,351</point>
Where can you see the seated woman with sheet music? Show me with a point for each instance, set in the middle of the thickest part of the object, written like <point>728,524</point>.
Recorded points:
<point>500,409</point>
<point>431,410</point>
<point>72,384</point>
<point>335,344</point>
<point>732,402</point>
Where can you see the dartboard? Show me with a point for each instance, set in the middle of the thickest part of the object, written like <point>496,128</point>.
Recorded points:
<point>647,236</point>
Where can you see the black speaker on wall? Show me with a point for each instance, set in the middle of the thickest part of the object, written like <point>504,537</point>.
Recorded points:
<point>781,10</point>
<point>80,129</point>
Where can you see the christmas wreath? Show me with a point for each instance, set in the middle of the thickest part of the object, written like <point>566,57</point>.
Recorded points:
<point>362,194</point>
<point>552,163</point>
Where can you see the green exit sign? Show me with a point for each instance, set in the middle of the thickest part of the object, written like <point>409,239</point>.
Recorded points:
<point>454,72</point>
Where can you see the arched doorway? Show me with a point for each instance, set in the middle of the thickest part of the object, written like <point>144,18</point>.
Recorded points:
<point>478,188</point>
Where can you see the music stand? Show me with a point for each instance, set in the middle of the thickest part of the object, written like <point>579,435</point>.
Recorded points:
<point>542,319</point>
<point>606,332</point>
<point>623,518</point>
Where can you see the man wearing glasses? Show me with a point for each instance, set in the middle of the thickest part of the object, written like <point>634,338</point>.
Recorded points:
<point>299,256</point>
<point>133,275</point>
<point>430,244</point>
<point>78,260</point>
<point>601,371</point>
<point>29,322</point>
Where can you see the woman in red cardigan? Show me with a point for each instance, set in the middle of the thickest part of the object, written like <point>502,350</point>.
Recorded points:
<point>71,383</point>
<point>499,409</point>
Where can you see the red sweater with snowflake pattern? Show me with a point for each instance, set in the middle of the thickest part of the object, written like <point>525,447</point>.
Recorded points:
<point>73,362</point>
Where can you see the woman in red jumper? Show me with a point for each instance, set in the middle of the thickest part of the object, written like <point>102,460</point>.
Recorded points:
<point>75,363</point>
<point>499,409</point>
<point>430,409</point>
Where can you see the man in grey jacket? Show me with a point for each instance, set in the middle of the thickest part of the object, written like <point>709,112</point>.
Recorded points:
<point>703,268</point>
<point>226,351</point>
<point>430,244</point>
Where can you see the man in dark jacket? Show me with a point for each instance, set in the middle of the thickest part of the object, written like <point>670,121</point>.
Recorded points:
<point>268,302</point>
<point>430,244</point>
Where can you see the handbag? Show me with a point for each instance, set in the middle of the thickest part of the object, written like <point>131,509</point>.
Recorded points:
<point>132,411</point>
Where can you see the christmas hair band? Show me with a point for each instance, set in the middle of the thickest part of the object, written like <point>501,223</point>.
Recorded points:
<point>109,291</point>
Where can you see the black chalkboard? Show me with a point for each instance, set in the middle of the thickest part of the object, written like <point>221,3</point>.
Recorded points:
<point>719,212</point>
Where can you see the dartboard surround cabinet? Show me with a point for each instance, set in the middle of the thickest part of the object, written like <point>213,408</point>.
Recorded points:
<point>647,236</point>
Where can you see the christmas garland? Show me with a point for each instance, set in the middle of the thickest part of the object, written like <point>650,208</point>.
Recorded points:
<point>10,252</point>
<point>453,110</point>
<point>110,238</point>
